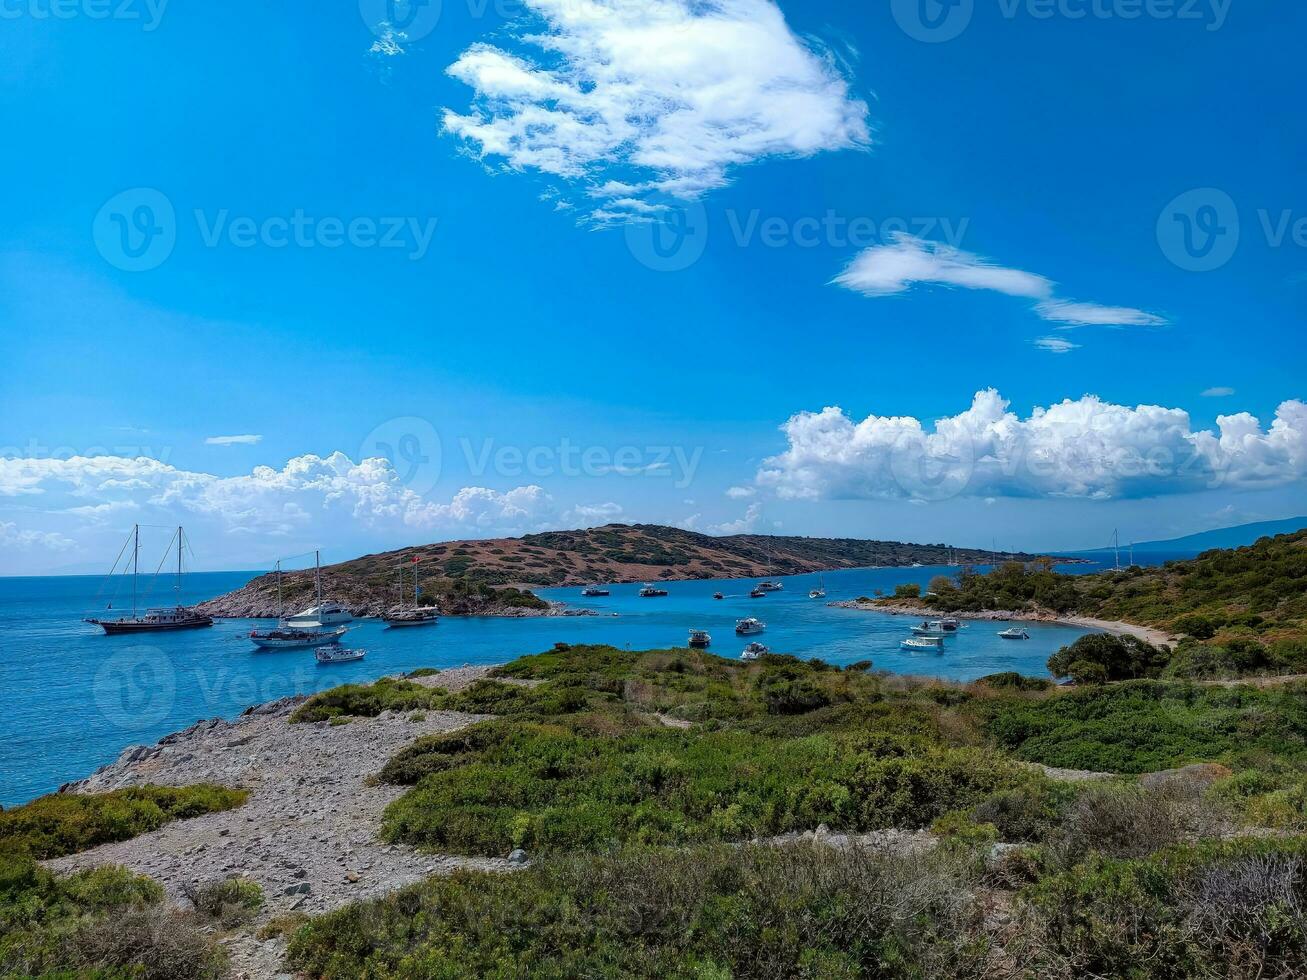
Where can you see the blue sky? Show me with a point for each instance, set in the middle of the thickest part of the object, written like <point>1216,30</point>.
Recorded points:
<point>883,223</point>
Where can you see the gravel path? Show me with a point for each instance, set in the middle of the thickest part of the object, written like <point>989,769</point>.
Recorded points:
<point>307,834</point>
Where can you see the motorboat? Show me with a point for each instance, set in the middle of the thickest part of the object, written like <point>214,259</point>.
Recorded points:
<point>651,592</point>
<point>922,644</point>
<point>758,594</point>
<point>929,629</point>
<point>700,640</point>
<point>749,626</point>
<point>337,655</point>
<point>770,586</point>
<point>157,619</point>
<point>321,614</point>
<point>1014,633</point>
<point>594,591</point>
<point>754,651</point>
<point>950,624</point>
<point>718,595</point>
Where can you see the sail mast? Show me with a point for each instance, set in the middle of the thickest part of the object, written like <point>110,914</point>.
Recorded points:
<point>281,608</point>
<point>136,563</point>
<point>317,576</point>
<point>178,589</point>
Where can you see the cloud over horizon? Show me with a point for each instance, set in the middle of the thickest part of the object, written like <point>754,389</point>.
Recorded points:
<point>1084,447</point>
<point>662,97</point>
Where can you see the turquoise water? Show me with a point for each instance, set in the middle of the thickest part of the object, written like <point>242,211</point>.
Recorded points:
<point>73,698</point>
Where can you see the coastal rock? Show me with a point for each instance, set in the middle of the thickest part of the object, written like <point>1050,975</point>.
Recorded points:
<point>311,824</point>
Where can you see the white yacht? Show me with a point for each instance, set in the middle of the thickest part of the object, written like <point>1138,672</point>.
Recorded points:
<point>700,640</point>
<point>337,655</point>
<point>1014,633</point>
<point>922,643</point>
<point>749,627</point>
<point>820,591</point>
<point>320,614</point>
<point>754,651</point>
<point>297,632</point>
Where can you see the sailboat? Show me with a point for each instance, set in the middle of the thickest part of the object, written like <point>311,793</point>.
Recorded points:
<point>296,633</point>
<point>177,617</point>
<point>415,615</point>
<point>820,591</point>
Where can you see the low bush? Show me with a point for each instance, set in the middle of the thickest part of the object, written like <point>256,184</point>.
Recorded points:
<point>229,902</point>
<point>65,823</point>
<point>800,911</point>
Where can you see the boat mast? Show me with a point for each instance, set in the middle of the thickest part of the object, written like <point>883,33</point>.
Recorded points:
<point>178,587</point>
<point>136,564</point>
<point>281,608</point>
<point>317,577</point>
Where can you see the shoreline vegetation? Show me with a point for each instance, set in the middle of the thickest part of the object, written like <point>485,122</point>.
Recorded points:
<point>494,577</point>
<point>594,811</point>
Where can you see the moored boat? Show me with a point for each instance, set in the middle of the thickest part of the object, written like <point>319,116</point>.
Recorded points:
<point>922,643</point>
<point>700,640</point>
<point>749,626</point>
<point>296,638</point>
<point>770,586</point>
<point>820,591</point>
<point>1014,633</point>
<point>337,655</point>
<point>413,615</point>
<point>156,619</point>
<point>929,629</point>
<point>594,591</point>
<point>321,614</point>
<point>754,651</point>
<point>651,592</point>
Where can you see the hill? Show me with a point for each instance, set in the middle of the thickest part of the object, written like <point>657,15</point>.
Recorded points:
<point>1238,611</point>
<point>1237,536</point>
<point>489,577</point>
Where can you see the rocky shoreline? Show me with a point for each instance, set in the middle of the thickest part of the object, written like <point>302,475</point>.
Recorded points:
<point>907,608</point>
<point>254,603</point>
<point>309,833</point>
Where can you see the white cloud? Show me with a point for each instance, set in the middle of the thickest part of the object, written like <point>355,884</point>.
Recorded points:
<point>591,514</point>
<point>740,493</point>
<point>908,261</point>
<point>662,96</point>
<point>1218,392</point>
<point>1055,345</point>
<point>1078,448</point>
<point>389,42</point>
<point>12,537</point>
<point>245,440</point>
<point>308,492</point>
<point>745,525</point>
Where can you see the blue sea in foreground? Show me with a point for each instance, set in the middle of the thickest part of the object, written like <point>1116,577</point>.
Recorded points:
<point>74,698</point>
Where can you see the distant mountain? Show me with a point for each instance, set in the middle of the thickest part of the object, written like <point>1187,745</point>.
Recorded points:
<point>1223,537</point>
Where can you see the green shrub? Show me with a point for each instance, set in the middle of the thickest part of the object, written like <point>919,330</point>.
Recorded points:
<point>229,902</point>
<point>65,823</point>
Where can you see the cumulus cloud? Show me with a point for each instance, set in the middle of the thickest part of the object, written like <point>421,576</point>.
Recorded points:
<point>245,440</point>
<point>907,261</point>
<point>662,97</point>
<point>308,491</point>
<point>11,536</point>
<point>745,525</point>
<point>740,493</point>
<point>588,514</point>
<point>1083,447</point>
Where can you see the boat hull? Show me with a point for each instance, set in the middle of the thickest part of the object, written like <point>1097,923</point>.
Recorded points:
<point>128,626</point>
<point>397,623</point>
<point>269,642</point>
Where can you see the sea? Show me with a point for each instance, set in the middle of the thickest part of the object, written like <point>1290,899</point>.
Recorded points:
<point>71,698</point>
